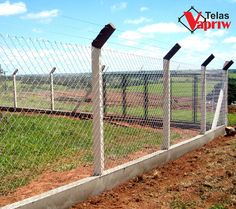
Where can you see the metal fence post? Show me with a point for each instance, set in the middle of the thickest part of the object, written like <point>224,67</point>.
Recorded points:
<point>166,91</point>
<point>195,95</point>
<point>124,86</point>
<point>52,88</point>
<point>14,88</point>
<point>227,65</point>
<point>97,88</point>
<point>203,93</point>
<point>145,98</point>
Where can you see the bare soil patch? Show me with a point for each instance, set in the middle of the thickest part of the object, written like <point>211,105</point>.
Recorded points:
<point>205,178</point>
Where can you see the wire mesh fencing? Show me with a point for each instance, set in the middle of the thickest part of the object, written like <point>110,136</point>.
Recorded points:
<point>67,107</point>
<point>41,102</point>
<point>214,86</point>
<point>133,94</point>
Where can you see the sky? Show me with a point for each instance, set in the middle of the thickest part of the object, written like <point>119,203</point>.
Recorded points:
<point>148,28</point>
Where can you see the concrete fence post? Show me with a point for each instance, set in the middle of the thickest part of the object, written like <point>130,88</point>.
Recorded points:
<point>226,66</point>
<point>217,111</point>
<point>166,92</point>
<point>203,92</point>
<point>52,88</point>
<point>97,89</point>
<point>14,88</point>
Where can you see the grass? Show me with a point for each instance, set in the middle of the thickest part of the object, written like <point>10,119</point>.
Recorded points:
<point>178,115</point>
<point>34,100</point>
<point>232,119</point>
<point>180,204</point>
<point>218,206</point>
<point>30,144</point>
<point>184,89</point>
<point>232,75</point>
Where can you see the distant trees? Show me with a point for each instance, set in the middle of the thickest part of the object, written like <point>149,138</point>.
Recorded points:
<point>232,90</point>
<point>69,80</point>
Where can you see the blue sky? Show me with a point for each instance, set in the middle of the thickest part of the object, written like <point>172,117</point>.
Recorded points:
<point>147,27</point>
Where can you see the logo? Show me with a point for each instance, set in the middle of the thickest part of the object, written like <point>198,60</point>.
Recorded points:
<point>195,20</point>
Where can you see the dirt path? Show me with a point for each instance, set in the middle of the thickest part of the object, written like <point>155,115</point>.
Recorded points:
<point>205,178</point>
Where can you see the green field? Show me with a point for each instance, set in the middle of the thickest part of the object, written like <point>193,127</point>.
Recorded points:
<point>30,144</point>
<point>232,75</point>
<point>33,100</point>
<point>184,89</point>
<point>232,119</point>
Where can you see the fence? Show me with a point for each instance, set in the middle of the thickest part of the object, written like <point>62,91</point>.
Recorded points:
<point>59,115</point>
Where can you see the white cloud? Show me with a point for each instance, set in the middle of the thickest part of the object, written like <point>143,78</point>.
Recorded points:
<point>143,9</point>
<point>218,33</point>
<point>230,40</point>
<point>137,21</point>
<point>131,35</point>
<point>196,43</point>
<point>130,38</point>
<point>7,8</point>
<point>43,16</point>
<point>119,6</point>
<point>162,27</point>
<point>37,30</point>
<point>225,55</point>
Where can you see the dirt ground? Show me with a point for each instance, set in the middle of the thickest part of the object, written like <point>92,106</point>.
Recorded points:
<point>232,108</point>
<point>205,178</point>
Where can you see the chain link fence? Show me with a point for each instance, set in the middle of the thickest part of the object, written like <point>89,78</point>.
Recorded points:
<point>40,121</point>
<point>133,103</point>
<point>48,117</point>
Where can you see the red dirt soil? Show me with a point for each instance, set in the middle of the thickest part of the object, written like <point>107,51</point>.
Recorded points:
<point>45,182</point>
<point>200,179</point>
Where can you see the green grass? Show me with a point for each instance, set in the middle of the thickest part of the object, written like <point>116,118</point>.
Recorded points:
<point>218,206</point>
<point>178,115</point>
<point>32,100</point>
<point>30,144</point>
<point>180,204</point>
<point>232,75</point>
<point>232,119</point>
<point>179,89</point>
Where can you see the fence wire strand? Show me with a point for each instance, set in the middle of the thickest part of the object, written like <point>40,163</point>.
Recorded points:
<point>46,107</point>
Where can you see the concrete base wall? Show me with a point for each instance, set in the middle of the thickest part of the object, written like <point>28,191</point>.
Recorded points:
<point>68,195</point>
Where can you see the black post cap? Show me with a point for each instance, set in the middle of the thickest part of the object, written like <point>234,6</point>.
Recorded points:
<point>103,36</point>
<point>172,52</point>
<point>15,72</point>
<point>53,70</point>
<point>208,60</point>
<point>228,65</point>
